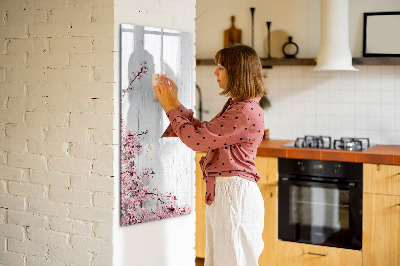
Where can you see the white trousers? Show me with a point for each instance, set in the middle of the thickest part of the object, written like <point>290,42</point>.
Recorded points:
<point>234,223</point>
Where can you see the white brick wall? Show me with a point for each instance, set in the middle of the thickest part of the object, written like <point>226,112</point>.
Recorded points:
<point>56,126</point>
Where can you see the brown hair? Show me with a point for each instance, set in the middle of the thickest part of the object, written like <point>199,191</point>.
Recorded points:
<point>245,78</point>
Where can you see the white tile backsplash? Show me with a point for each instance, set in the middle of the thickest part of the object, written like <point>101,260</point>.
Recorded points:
<point>348,95</point>
<point>361,125</point>
<point>388,97</point>
<point>364,103</point>
<point>361,110</point>
<point>374,97</point>
<point>387,124</point>
<point>347,110</point>
<point>388,83</point>
<point>388,72</point>
<point>388,110</point>
<point>374,110</point>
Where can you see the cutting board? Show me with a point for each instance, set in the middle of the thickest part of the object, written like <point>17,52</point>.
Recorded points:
<point>232,35</point>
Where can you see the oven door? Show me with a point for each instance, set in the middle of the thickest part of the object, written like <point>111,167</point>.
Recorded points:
<point>316,211</point>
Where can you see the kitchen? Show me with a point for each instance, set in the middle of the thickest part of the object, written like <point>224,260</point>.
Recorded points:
<point>60,86</point>
<point>304,102</point>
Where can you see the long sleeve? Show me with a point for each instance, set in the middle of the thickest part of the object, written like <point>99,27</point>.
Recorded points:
<point>225,130</point>
<point>188,114</point>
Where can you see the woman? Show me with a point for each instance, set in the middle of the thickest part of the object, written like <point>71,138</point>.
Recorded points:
<point>235,207</point>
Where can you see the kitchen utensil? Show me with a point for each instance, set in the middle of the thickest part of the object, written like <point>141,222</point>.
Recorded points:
<point>232,35</point>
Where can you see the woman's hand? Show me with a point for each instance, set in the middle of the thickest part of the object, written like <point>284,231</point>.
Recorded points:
<point>174,92</point>
<point>163,92</point>
<point>174,89</point>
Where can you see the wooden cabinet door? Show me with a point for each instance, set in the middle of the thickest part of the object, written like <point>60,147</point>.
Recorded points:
<point>270,233</point>
<point>200,209</point>
<point>381,179</point>
<point>381,230</point>
<point>267,168</point>
<point>297,254</point>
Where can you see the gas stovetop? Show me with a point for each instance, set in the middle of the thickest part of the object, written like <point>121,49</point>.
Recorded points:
<point>325,142</point>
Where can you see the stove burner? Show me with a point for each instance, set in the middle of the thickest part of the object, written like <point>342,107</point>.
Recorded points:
<point>324,142</point>
<point>308,141</point>
<point>351,144</point>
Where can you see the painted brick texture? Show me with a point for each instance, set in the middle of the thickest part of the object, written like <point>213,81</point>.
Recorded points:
<point>56,128</point>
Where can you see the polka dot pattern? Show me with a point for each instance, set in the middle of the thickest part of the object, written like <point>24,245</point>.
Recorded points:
<point>231,139</point>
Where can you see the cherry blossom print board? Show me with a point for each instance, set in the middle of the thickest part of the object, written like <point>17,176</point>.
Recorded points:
<point>156,173</point>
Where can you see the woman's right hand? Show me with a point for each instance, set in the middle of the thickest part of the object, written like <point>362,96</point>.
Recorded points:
<point>174,89</point>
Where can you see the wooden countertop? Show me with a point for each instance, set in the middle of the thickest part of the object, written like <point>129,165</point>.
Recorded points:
<point>379,154</point>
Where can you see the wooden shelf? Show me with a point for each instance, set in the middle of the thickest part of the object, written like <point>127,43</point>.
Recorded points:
<point>288,62</point>
<point>376,61</point>
<point>312,61</point>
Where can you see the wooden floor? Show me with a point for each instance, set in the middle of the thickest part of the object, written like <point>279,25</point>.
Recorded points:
<point>199,262</point>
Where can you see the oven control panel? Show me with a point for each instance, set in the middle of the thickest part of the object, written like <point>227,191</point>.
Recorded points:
<point>330,169</point>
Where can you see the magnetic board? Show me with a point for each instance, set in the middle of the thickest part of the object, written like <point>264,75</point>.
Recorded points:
<point>156,173</point>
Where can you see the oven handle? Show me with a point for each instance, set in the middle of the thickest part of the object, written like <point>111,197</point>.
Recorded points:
<point>297,181</point>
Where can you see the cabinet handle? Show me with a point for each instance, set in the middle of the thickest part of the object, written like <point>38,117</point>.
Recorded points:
<point>318,254</point>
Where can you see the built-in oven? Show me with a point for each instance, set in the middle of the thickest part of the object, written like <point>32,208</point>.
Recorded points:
<point>320,202</point>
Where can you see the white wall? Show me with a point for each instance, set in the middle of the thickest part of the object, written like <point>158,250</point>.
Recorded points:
<point>168,241</point>
<point>299,18</point>
<point>56,120</point>
<point>338,104</point>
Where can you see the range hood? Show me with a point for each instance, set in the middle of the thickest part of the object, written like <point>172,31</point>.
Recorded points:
<point>334,51</point>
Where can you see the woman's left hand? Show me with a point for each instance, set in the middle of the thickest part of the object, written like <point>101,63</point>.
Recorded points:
<point>163,92</point>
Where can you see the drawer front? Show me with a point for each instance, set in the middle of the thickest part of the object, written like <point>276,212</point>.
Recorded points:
<point>381,179</point>
<point>293,254</point>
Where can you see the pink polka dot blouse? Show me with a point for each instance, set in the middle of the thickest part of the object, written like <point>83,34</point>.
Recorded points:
<point>231,139</point>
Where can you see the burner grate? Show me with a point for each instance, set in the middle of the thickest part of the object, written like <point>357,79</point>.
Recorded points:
<point>320,142</point>
<point>351,144</point>
<point>324,142</point>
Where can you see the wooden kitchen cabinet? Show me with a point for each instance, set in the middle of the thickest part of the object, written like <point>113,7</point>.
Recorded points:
<point>381,179</point>
<point>200,209</point>
<point>267,167</point>
<point>381,230</point>
<point>381,215</point>
<point>270,233</point>
<point>298,254</point>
